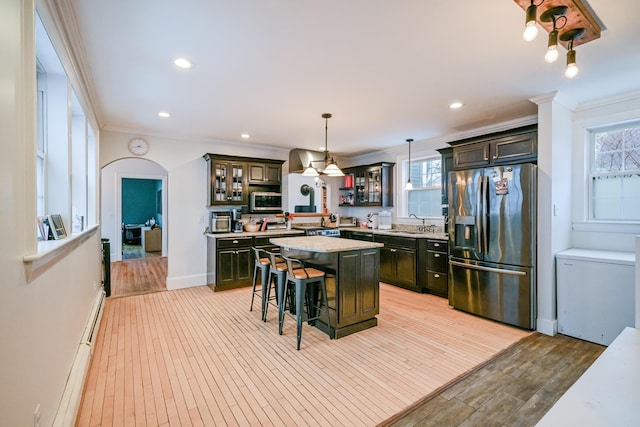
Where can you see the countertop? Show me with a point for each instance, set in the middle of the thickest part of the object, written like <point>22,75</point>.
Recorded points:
<point>401,233</point>
<point>610,257</point>
<point>280,231</point>
<point>607,394</point>
<point>266,233</point>
<point>323,243</point>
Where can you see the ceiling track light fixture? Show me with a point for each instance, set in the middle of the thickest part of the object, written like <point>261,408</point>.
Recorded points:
<point>569,36</point>
<point>530,28</point>
<point>330,166</point>
<point>409,185</point>
<point>554,15</point>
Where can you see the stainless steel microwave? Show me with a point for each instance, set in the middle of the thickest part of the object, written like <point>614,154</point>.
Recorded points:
<point>265,201</point>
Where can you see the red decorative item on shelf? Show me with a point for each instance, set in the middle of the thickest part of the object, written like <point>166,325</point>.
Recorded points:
<point>348,181</point>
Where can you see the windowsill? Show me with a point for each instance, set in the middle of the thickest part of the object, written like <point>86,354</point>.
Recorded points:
<point>51,251</point>
<point>607,227</point>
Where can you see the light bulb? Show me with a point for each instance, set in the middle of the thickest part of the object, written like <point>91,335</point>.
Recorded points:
<point>408,185</point>
<point>572,68</point>
<point>530,31</point>
<point>571,71</point>
<point>552,54</point>
<point>552,46</point>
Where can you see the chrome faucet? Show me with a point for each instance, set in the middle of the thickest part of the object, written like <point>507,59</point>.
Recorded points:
<point>422,228</point>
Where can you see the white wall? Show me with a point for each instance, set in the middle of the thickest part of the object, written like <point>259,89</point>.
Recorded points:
<point>187,212</point>
<point>41,321</point>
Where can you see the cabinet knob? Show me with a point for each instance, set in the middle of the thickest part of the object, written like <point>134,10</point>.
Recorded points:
<point>437,276</point>
<point>437,245</point>
<point>436,255</point>
<point>235,242</point>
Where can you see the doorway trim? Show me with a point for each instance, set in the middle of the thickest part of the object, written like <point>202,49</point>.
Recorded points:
<point>118,210</point>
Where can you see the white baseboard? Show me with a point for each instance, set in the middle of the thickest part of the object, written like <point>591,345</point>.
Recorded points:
<point>72,395</point>
<point>181,282</point>
<point>547,326</point>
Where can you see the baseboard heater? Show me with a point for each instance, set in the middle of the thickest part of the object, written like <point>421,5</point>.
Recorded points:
<point>72,396</point>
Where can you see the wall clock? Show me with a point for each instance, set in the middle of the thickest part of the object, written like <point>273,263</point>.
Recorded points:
<point>138,146</point>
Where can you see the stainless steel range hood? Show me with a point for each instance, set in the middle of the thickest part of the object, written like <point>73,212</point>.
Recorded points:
<point>299,160</point>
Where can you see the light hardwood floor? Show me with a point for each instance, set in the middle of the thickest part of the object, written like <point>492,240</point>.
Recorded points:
<point>195,357</point>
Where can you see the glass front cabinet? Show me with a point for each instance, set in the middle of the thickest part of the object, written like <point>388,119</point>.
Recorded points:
<point>372,184</point>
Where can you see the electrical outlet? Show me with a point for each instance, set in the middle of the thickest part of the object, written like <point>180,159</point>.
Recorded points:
<point>36,416</point>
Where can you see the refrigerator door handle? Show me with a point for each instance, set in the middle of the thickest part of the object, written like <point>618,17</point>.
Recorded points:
<point>492,269</point>
<point>478,221</point>
<point>484,188</point>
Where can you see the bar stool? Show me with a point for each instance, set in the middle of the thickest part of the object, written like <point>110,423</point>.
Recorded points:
<point>303,278</point>
<point>277,276</point>
<point>261,261</point>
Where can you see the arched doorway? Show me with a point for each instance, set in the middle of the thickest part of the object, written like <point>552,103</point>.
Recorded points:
<point>134,217</point>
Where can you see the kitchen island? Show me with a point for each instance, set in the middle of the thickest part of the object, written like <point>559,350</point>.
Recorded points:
<point>352,270</point>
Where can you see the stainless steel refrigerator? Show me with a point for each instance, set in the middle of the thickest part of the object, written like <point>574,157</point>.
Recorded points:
<point>492,243</point>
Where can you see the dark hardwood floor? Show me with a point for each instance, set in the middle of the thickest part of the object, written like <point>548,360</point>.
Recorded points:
<point>514,389</point>
<point>138,276</point>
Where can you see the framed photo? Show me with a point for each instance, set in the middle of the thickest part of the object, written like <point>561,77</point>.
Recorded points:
<point>43,228</point>
<point>57,227</point>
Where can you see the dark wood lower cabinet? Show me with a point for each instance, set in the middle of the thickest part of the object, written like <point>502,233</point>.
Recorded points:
<point>353,288</point>
<point>398,260</point>
<point>359,289</point>
<point>437,267</point>
<point>234,266</point>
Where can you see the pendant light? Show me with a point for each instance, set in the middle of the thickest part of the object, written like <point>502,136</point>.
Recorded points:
<point>553,15</point>
<point>530,28</point>
<point>569,36</point>
<point>409,185</point>
<point>330,166</point>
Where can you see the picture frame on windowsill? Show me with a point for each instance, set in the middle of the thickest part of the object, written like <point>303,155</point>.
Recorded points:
<point>57,226</point>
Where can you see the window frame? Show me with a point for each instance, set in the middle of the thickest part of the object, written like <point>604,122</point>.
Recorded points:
<point>406,174</point>
<point>591,174</point>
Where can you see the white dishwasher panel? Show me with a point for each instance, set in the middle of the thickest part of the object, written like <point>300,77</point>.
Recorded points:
<point>595,294</point>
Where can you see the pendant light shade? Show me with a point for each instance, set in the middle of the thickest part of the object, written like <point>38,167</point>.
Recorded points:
<point>310,171</point>
<point>409,185</point>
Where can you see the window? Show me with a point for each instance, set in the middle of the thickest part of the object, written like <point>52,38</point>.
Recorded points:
<point>425,199</point>
<point>615,173</point>
<point>41,150</point>
<point>66,154</point>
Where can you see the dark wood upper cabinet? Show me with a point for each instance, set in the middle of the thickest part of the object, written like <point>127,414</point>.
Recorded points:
<point>513,146</point>
<point>265,173</point>
<point>372,185</point>
<point>232,178</point>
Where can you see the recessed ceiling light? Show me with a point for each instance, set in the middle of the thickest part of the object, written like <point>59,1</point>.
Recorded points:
<point>164,114</point>
<point>455,105</point>
<point>183,63</point>
<point>245,136</point>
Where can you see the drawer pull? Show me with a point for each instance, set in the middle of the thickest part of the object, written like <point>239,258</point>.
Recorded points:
<point>437,245</point>
<point>436,275</point>
<point>436,255</point>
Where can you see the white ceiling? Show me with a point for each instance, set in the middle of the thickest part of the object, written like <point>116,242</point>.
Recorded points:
<point>386,70</point>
